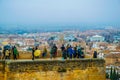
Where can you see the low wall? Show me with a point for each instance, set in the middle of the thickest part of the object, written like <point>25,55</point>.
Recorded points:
<point>2,70</point>
<point>82,69</point>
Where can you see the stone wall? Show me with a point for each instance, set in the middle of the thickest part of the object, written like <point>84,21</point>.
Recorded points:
<point>2,69</point>
<point>83,69</point>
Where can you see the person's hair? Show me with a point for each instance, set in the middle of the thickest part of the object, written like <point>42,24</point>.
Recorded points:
<point>36,47</point>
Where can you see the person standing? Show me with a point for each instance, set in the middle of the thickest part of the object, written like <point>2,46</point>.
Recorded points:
<point>70,52</point>
<point>75,52</point>
<point>37,52</point>
<point>10,53</point>
<point>15,53</point>
<point>51,52</point>
<point>64,52</point>
<point>33,50</point>
<point>67,54</point>
<point>79,51</point>
<point>95,54</point>
<point>82,55</point>
<point>3,54</point>
<point>54,50</point>
<point>62,48</point>
<point>0,53</point>
<point>7,53</point>
<point>44,52</point>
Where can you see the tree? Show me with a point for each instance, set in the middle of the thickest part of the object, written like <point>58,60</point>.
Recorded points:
<point>107,75</point>
<point>117,76</point>
<point>114,75</point>
<point>111,74</point>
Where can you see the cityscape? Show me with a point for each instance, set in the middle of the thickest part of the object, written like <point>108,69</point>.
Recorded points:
<point>106,42</point>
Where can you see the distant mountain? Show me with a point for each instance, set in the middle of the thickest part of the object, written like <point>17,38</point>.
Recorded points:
<point>11,28</point>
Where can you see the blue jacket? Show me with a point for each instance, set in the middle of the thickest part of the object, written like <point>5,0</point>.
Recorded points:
<point>70,50</point>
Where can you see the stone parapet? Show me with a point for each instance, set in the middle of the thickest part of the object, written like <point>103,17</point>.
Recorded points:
<point>77,69</point>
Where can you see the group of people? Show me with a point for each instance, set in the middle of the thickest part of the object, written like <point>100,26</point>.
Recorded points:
<point>72,52</point>
<point>67,52</point>
<point>36,52</point>
<point>7,53</point>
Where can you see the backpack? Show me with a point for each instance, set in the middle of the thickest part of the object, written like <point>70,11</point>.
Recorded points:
<point>79,51</point>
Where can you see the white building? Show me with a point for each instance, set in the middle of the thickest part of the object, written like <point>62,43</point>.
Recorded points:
<point>97,38</point>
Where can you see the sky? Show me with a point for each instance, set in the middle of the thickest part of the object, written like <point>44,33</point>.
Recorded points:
<point>59,12</point>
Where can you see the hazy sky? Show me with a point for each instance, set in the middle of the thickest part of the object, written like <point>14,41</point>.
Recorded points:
<point>59,11</point>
